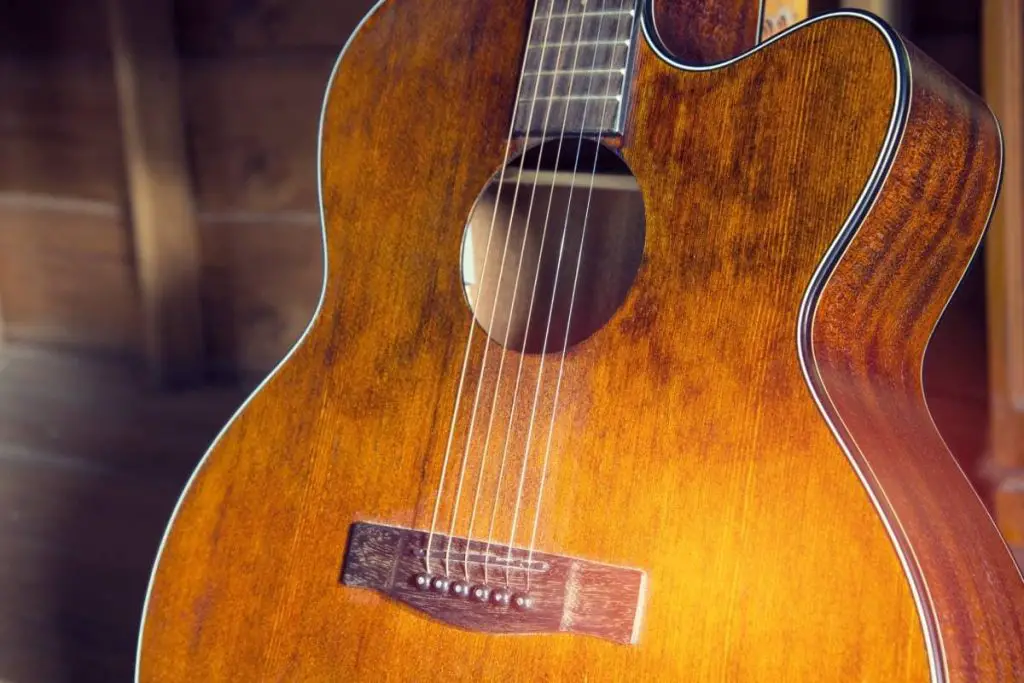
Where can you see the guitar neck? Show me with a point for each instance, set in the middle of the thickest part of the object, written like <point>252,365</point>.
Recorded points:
<point>574,70</point>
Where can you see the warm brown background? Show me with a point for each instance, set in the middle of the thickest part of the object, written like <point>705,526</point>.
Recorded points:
<point>92,456</point>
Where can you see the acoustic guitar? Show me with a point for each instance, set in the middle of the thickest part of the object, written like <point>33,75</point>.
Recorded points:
<point>616,372</point>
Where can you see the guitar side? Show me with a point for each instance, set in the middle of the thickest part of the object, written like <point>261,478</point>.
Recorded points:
<point>700,426</point>
<point>872,313</point>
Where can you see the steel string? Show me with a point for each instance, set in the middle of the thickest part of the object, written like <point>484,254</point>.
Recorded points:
<point>483,272</point>
<point>483,362</point>
<point>529,435</point>
<point>565,340</point>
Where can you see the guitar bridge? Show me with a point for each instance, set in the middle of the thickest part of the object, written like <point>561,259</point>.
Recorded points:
<point>488,588</point>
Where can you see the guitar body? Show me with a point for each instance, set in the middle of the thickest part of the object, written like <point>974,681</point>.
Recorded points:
<point>749,430</point>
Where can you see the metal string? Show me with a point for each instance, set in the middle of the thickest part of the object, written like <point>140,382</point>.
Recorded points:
<point>483,272</point>
<point>515,399</point>
<point>565,340</point>
<point>515,292</point>
<point>522,253</point>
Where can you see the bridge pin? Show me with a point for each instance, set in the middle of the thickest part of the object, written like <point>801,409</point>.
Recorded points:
<point>422,581</point>
<point>481,593</point>
<point>460,589</point>
<point>440,584</point>
<point>501,597</point>
<point>522,601</point>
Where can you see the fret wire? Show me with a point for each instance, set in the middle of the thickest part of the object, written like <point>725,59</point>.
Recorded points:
<point>582,43</point>
<point>587,15</point>
<point>567,72</point>
<point>586,29</point>
<point>577,98</point>
<point>610,42</point>
<point>579,86</point>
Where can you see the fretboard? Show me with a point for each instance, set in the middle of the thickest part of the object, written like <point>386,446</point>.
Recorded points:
<point>575,66</point>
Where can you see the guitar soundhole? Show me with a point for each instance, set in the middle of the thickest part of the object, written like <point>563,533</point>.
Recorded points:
<point>525,297</point>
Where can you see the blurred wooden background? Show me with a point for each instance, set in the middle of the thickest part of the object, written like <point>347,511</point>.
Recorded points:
<point>160,252</point>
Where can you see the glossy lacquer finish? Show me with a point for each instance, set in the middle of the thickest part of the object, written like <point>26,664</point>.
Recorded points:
<point>749,429</point>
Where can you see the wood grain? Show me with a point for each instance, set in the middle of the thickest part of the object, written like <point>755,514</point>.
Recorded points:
<point>892,11</point>
<point>703,32</point>
<point>566,594</point>
<point>956,378</point>
<point>59,133</point>
<point>686,441</point>
<point>66,274</point>
<point>887,293</point>
<point>67,279</point>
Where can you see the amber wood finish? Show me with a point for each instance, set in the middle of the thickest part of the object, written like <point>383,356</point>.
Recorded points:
<point>688,442</point>
<point>887,294</point>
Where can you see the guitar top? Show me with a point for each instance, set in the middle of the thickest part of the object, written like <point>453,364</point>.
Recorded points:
<point>616,374</point>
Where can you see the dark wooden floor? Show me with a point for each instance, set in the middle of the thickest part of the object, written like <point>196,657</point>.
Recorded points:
<point>90,468</point>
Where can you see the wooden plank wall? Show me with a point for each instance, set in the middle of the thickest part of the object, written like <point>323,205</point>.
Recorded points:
<point>253,76</point>
<point>65,275</point>
<point>1004,87</point>
<point>163,217</point>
